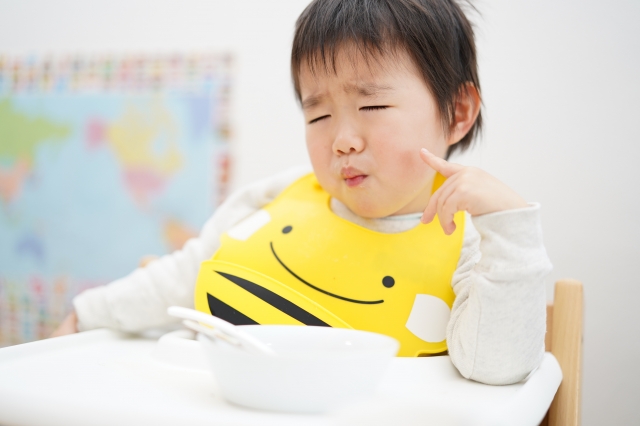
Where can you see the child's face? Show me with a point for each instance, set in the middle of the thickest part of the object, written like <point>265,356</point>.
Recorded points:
<point>365,125</point>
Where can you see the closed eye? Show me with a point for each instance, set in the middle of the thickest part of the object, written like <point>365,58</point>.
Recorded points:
<point>374,107</point>
<point>318,119</point>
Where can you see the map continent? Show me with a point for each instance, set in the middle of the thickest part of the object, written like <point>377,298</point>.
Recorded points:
<point>21,136</point>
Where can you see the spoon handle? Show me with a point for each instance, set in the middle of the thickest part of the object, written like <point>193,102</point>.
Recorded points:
<point>220,329</point>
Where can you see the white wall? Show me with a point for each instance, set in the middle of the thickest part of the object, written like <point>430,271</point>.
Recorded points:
<point>561,89</point>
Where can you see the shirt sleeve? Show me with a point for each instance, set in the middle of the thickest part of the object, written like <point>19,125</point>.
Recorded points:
<point>140,300</point>
<point>498,322</point>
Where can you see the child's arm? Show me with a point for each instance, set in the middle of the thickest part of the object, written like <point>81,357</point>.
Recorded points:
<point>498,322</point>
<point>68,326</point>
<point>140,300</point>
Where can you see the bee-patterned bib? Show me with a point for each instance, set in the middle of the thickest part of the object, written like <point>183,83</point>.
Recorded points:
<point>297,262</point>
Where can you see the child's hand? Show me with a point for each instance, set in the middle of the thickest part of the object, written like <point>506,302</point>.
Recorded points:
<point>68,326</point>
<point>466,188</point>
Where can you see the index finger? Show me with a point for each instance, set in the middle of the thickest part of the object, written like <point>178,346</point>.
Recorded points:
<point>440,165</point>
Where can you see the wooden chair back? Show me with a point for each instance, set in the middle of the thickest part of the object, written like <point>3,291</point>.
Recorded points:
<point>564,341</point>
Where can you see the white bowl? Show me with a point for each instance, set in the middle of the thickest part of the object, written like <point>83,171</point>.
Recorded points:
<point>316,369</point>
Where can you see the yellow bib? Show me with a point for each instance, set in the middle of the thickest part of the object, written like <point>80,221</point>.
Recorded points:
<point>297,262</point>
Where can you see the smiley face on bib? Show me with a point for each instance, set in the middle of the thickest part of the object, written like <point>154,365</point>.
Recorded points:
<point>296,262</point>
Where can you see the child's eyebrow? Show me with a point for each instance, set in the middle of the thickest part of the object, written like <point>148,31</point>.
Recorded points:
<point>363,89</point>
<point>311,101</point>
<point>366,89</point>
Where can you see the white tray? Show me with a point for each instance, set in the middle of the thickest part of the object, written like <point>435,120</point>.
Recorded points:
<point>103,377</point>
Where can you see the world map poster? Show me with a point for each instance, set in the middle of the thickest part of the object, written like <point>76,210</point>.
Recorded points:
<point>103,159</point>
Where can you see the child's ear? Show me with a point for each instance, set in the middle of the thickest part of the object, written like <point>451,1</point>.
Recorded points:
<point>466,110</point>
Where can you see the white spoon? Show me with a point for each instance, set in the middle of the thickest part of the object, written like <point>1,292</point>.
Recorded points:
<point>220,330</point>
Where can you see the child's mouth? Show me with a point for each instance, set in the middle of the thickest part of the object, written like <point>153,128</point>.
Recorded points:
<point>352,176</point>
<point>355,180</point>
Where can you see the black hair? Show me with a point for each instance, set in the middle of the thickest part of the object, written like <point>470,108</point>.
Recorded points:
<point>435,33</point>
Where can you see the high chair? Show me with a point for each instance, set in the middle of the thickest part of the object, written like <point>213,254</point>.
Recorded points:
<point>564,341</point>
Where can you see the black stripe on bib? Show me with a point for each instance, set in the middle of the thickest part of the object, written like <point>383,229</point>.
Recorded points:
<point>275,300</point>
<point>223,311</point>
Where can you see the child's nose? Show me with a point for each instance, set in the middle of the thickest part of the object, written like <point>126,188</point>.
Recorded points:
<point>348,142</point>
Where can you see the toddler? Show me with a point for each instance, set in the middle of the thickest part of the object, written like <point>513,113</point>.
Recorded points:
<point>389,90</point>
